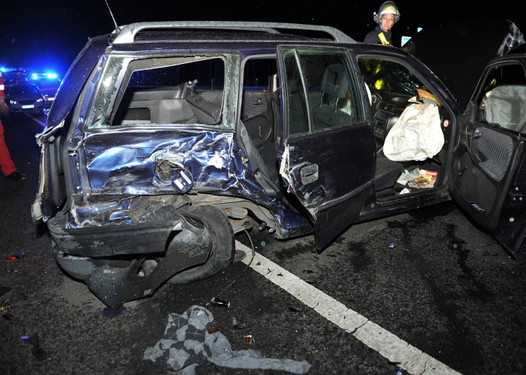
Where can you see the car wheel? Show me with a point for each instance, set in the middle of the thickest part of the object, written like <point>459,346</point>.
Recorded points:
<point>216,223</point>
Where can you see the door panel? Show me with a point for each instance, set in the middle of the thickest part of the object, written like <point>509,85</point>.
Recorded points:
<point>489,174</point>
<point>487,182</point>
<point>329,148</point>
<point>330,175</point>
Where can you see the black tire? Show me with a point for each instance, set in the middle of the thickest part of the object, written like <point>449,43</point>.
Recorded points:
<point>223,249</point>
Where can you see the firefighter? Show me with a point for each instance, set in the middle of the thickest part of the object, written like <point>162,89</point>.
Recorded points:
<point>386,17</point>
<point>6,164</point>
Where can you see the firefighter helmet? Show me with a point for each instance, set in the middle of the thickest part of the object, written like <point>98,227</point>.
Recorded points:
<point>388,7</point>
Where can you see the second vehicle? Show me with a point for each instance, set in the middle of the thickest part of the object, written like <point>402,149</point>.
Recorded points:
<point>24,97</point>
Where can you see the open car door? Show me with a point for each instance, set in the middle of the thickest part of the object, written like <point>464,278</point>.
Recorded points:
<point>489,174</point>
<point>328,149</point>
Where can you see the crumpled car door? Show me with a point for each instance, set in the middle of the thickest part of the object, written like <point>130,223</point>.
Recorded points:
<point>328,152</point>
<point>51,193</point>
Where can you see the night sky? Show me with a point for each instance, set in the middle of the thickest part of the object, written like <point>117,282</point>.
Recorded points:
<point>49,34</point>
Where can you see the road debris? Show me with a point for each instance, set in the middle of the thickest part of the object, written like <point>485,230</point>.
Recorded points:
<point>249,339</point>
<point>5,311</point>
<point>219,302</point>
<point>187,343</point>
<point>36,349</point>
<point>14,257</point>
<point>235,323</point>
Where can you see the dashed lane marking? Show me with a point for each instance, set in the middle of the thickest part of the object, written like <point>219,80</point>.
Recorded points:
<point>396,350</point>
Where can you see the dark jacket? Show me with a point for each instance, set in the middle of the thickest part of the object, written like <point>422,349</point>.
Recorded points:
<point>374,38</point>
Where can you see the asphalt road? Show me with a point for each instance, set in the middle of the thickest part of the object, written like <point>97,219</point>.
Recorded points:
<point>425,287</point>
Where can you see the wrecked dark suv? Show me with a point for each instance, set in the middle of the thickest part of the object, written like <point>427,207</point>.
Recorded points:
<point>168,138</point>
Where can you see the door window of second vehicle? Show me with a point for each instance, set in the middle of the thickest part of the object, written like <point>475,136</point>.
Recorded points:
<point>320,91</point>
<point>502,100</point>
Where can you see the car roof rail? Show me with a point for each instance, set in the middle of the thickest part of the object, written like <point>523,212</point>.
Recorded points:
<point>126,34</point>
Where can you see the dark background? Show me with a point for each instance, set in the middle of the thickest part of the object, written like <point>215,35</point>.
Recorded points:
<point>49,34</point>
<point>446,287</point>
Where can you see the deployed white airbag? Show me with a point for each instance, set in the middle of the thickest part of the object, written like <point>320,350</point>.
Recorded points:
<point>416,135</point>
<point>506,106</point>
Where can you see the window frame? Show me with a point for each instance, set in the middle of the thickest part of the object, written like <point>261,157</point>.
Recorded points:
<point>116,73</point>
<point>489,83</point>
<point>352,80</point>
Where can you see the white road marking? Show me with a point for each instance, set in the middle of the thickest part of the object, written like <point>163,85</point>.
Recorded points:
<point>396,350</point>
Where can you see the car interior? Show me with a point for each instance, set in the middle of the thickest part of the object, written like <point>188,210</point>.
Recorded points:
<point>393,89</point>
<point>193,95</point>
<point>172,93</point>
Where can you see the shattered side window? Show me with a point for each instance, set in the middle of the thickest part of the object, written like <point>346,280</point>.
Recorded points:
<point>176,90</point>
<point>502,99</point>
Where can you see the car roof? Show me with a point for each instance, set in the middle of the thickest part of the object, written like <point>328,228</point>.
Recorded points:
<point>183,35</point>
<point>225,31</point>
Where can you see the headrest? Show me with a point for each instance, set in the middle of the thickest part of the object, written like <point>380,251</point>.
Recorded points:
<point>334,81</point>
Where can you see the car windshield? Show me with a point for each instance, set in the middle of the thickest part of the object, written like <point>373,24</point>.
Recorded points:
<point>388,76</point>
<point>23,89</point>
<point>48,84</point>
<point>14,77</point>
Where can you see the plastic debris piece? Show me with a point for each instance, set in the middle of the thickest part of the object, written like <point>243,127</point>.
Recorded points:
<point>8,316</point>
<point>249,339</point>
<point>5,306</point>
<point>263,243</point>
<point>36,349</point>
<point>392,245</point>
<point>218,302</point>
<point>235,323</point>
<point>5,311</point>
<point>14,257</point>
<point>213,329</point>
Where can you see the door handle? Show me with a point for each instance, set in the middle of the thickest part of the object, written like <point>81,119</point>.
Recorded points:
<point>309,174</point>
